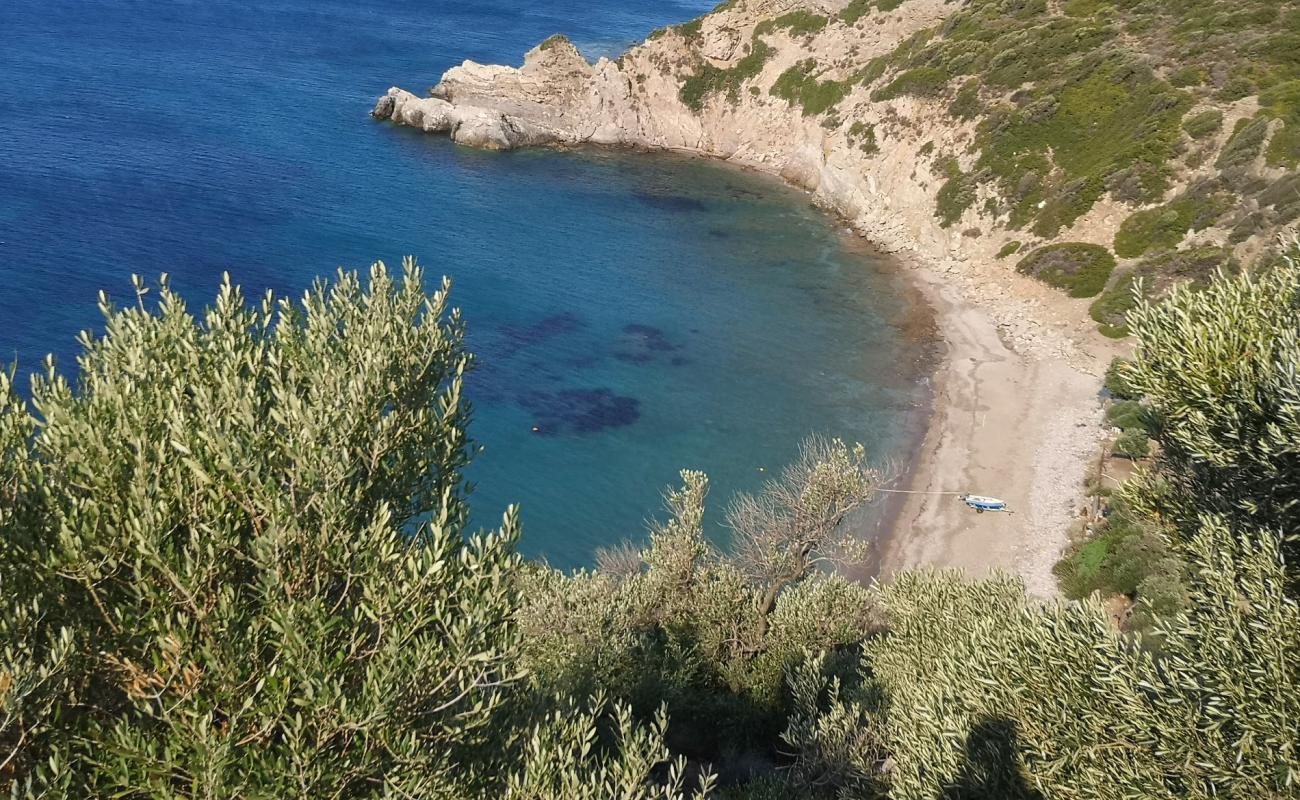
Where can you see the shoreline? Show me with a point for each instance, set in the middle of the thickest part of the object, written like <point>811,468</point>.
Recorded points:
<point>920,327</point>
<point>991,419</point>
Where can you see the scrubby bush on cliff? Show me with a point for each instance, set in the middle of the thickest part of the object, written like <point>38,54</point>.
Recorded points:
<point>1081,269</point>
<point>1199,126</point>
<point>1163,227</point>
<point>1244,145</point>
<point>708,80</point>
<point>797,23</point>
<point>799,85</point>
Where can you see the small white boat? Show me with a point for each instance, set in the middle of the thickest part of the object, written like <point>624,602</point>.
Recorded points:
<point>981,503</point>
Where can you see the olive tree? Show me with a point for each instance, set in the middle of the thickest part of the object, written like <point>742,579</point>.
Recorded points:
<point>1218,366</point>
<point>234,563</point>
<point>707,630</point>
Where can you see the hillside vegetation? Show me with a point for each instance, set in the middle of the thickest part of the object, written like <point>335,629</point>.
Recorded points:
<point>235,563</point>
<point>1183,119</point>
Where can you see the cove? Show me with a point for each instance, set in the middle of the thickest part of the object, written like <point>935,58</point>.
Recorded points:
<point>644,313</point>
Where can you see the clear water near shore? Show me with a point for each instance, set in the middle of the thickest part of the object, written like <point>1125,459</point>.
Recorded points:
<point>643,313</point>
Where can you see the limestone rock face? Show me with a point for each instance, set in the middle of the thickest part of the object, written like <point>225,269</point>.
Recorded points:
<point>384,107</point>
<point>541,102</point>
<point>471,125</point>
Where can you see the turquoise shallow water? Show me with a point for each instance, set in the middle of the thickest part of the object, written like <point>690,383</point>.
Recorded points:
<point>644,313</point>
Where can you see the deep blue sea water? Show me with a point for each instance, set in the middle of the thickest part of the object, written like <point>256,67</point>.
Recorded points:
<point>645,313</point>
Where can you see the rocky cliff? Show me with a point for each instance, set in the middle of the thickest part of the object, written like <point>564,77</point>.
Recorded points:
<point>1016,145</point>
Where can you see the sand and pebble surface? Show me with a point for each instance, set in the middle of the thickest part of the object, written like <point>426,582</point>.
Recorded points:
<point>1014,415</point>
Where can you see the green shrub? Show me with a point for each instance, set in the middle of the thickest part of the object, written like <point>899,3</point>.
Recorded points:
<point>1194,266</point>
<point>864,136</point>
<point>1235,88</point>
<point>1085,8</point>
<point>798,85</point>
<point>1284,147</point>
<point>1190,75</point>
<point>1038,49</point>
<point>1122,554</point>
<point>873,71</point>
<point>1283,197</point>
<point>855,10</point>
<point>967,105</point>
<point>798,23</point>
<point>1081,269</point>
<point>551,42</point>
<point>1110,309</point>
<point>1129,415</point>
<point>1244,146</point>
<point>1116,383</point>
<point>1283,102</point>
<point>1165,226</point>
<point>956,195</point>
<point>1133,444</point>
<point>1206,123</point>
<point>1077,572</point>
<point>697,88</point>
<point>709,80</point>
<point>919,82</point>
<point>1009,249</point>
<point>690,31</point>
<point>1247,226</point>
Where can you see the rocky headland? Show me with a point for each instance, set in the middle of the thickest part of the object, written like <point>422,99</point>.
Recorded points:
<point>1027,160</point>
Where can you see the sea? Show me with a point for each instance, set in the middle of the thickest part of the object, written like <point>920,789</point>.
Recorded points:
<point>633,315</point>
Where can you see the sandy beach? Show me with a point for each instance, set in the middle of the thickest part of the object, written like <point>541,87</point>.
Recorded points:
<point>1018,423</point>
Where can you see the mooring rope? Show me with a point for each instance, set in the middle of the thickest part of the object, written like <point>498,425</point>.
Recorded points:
<point>910,491</point>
